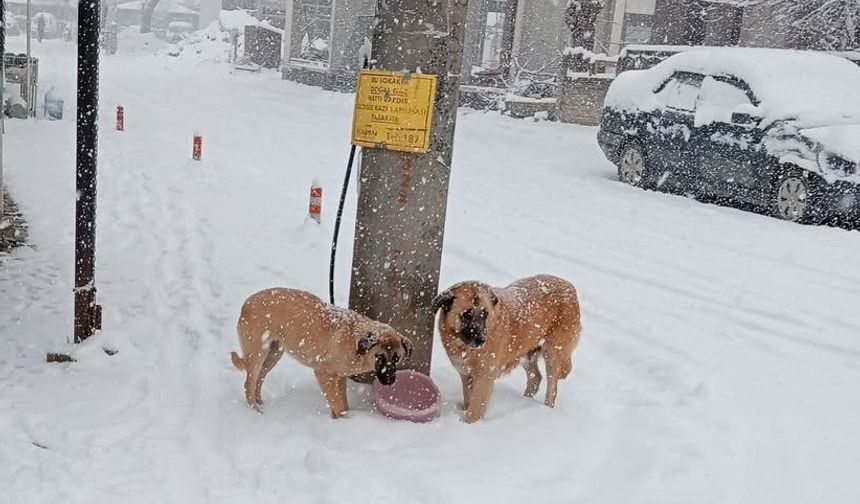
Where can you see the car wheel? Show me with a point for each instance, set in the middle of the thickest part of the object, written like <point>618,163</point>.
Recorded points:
<point>633,165</point>
<point>794,198</point>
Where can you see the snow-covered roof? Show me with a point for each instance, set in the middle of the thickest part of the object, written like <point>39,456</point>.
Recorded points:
<point>813,87</point>
<point>236,19</point>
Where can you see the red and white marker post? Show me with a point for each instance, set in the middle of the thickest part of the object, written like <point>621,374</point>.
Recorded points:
<point>197,147</point>
<point>315,205</point>
<point>120,118</point>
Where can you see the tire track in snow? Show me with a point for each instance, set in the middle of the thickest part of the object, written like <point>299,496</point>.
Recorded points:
<point>776,323</point>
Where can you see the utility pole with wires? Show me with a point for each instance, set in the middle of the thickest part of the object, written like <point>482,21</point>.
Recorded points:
<point>403,196</point>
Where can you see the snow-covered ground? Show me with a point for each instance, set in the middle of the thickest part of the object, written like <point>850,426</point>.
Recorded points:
<point>719,362</point>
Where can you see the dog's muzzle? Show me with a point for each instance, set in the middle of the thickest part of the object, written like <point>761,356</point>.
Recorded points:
<point>386,371</point>
<point>473,336</point>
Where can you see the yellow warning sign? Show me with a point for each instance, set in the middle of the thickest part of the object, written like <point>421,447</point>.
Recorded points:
<point>393,110</point>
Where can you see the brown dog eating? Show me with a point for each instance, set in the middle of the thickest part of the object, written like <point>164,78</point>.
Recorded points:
<point>337,343</point>
<point>488,331</point>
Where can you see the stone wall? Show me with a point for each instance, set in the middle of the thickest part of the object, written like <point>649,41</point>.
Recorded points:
<point>263,46</point>
<point>581,100</point>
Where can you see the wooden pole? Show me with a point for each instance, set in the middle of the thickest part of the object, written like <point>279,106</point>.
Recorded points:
<point>87,312</point>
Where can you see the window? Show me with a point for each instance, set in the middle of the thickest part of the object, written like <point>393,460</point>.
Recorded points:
<point>493,40</point>
<point>637,28</point>
<point>315,26</point>
<point>718,99</point>
<point>680,92</point>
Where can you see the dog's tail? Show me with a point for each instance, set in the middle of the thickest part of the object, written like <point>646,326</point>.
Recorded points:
<point>239,362</point>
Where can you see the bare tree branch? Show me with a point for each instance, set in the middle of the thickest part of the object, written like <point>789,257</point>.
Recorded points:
<point>817,24</point>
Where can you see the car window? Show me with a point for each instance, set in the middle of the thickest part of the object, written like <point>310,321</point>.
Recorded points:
<point>680,92</point>
<point>718,99</point>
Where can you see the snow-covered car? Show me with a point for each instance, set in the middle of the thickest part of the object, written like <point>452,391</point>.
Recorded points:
<point>776,129</point>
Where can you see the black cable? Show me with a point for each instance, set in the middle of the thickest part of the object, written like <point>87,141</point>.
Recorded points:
<point>340,215</point>
<point>337,223</point>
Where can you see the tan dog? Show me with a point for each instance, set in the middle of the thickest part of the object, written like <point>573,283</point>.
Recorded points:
<point>335,342</point>
<point>489,331</point>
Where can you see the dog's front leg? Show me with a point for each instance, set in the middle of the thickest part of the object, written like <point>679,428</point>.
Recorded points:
<point>467,390</point>
<point>334,390</point>
<point>533,376</point>
<point>482,389</point>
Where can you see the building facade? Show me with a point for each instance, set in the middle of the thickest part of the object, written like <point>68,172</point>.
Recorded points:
<point>509,38</point>
<point>503,38</point>
<point>324,40</point>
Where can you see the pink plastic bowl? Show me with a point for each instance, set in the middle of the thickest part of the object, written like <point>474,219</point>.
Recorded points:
<point>413,396</point>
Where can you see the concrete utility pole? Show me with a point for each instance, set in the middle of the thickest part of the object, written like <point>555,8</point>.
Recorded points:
<point>403,197</point>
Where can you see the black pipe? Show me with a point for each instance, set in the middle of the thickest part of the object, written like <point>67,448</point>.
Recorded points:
<point>87,313</point>
<point>340,215</point>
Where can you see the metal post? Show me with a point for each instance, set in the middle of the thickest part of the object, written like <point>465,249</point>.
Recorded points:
<point>2,102</point>
<point>29,79</point>
<point>87,313</point>
<point>403,197</point>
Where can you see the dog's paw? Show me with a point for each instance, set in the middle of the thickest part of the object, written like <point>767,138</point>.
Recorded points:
<point>470,419</point>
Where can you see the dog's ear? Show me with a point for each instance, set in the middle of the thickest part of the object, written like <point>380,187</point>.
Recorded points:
<point>366,342</point>
<point>407,347</point>
<point>494,298</point>
<point>444,301</point>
